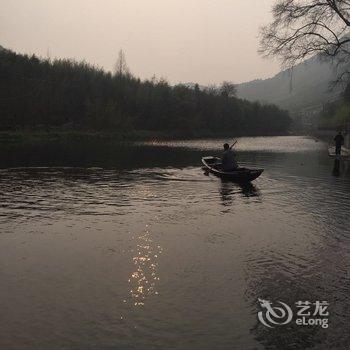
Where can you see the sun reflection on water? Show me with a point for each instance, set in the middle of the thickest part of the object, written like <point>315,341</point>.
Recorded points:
<point>143,279</point>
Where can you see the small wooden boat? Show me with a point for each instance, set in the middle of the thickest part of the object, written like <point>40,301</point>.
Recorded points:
<point>345,152</point>
<point>240,175</point>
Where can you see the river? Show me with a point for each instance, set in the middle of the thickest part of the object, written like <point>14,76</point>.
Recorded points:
<point>131,246</point>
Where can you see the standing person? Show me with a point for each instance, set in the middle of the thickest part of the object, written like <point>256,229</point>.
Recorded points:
<point>339,141</point>
<point>228,159</point>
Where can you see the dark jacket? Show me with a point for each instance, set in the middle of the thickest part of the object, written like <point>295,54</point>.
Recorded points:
<point>228,160</point>
<point>339,140</point>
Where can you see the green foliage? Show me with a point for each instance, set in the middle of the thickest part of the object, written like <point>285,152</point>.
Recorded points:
<point>67,95</point>
<point>336,115</point>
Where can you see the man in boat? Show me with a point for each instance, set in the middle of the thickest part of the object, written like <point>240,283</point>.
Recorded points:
<point>339,141</point>
<point>228,159</point>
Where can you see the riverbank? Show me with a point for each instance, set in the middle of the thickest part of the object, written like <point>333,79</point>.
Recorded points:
<point>137,135</point>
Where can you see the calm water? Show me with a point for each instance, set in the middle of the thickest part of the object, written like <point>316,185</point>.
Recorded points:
<point>107,246</point>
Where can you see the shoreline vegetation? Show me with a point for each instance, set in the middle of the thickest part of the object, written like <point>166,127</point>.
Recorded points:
<point>43,98</point>
<point>336,115</point>
<point>14,137</point>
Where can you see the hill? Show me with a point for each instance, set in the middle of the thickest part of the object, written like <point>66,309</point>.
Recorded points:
<point>308,86</point>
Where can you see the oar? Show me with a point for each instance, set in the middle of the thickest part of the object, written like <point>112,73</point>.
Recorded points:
<point>233,144</point>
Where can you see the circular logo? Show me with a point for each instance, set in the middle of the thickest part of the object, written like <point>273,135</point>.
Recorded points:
<point>274,315</point>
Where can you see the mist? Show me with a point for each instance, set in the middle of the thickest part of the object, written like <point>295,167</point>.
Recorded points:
<point>200,41</point>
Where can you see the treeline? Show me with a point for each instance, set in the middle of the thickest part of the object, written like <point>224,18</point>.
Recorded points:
<point>63,94</point>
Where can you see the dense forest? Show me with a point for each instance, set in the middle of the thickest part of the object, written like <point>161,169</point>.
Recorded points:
<point>41,94</point>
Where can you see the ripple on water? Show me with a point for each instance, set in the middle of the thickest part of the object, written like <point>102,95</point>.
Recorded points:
<point>171,254</point>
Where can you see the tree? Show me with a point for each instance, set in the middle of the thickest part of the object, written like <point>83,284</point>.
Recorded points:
<point>68,95</point>
<point>121,68</point>
<point>228,89</point>
<point>303,28</point>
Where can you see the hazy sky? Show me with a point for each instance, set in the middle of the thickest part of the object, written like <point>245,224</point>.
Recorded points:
<point>205,41</point>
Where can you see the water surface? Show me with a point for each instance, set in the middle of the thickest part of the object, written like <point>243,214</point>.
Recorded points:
<point>119,246</point>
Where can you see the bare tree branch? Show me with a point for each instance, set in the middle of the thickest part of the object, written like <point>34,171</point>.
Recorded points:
<point>303,28</point>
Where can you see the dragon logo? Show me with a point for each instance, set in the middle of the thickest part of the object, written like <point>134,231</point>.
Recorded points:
<point>274,315</point>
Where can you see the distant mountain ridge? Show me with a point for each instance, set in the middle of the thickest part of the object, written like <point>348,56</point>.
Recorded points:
<point>307,85</point>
